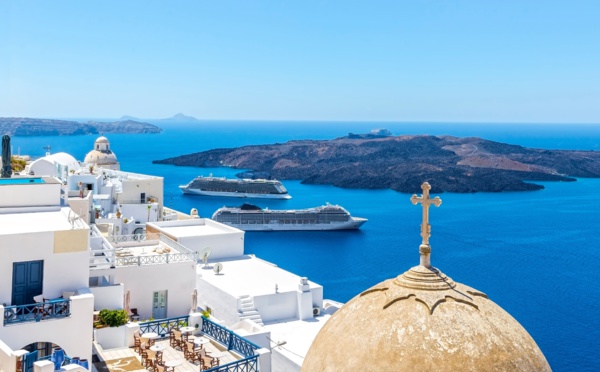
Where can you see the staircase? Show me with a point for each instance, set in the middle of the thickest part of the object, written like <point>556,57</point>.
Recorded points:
<point>246,310</point>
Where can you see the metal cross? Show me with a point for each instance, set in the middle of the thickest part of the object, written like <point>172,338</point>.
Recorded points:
<point>426,201</point>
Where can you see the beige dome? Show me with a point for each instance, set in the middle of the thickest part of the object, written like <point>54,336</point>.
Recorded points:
<point>101,155</point>
<point>423,321</point>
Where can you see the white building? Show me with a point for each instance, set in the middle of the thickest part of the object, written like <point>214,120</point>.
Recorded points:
<point>43,254</point>
<point>158,273</point>
<point>272,307</point>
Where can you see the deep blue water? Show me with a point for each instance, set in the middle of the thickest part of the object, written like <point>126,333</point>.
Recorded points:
<point>534,253</point>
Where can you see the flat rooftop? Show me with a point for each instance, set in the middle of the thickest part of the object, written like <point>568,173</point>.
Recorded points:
<point>295,336</point>
<point>239,277</point>
<point>193,227</point>
<point>35,221</point>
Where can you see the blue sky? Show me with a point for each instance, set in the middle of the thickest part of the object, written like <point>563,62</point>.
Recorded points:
<point>456,61</point>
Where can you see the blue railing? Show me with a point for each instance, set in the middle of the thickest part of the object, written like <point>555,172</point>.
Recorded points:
<point>219,333</point>
<point>228,338</point>
<point>162,327</point>
<point>249,364</point>
<point>53,309</point>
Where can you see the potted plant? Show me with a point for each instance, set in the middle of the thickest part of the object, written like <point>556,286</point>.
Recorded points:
<point>110,330</point>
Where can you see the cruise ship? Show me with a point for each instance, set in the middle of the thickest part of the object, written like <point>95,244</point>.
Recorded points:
<point>249,217</point>
<point>237,188</point>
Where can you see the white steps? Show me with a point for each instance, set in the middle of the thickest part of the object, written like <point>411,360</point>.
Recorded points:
<point>246,310</point>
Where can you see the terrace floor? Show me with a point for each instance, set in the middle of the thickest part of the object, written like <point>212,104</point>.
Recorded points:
<point>121,360</point>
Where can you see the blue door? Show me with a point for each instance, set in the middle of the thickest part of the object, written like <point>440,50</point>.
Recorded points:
<point>28,281</point>
<point>28,360</point>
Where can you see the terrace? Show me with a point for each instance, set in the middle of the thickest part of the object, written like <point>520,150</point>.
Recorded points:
<point>229,351</point>
<point>138,250</point>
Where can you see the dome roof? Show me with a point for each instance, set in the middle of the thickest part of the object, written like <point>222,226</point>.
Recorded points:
<point>101,155</point>
<point>423,320</point>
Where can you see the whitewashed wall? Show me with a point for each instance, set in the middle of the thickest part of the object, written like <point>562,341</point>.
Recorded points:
<point>59,331</point>
<point>62,271</point>
<point>108,297</point>
<point>179,279</point>
<point>224,306</point>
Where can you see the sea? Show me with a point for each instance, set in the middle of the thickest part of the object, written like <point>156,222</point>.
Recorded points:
<point>535,253</point>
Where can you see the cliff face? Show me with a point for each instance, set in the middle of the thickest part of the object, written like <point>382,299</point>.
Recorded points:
<point>51,127</point>
<point>402,163</point>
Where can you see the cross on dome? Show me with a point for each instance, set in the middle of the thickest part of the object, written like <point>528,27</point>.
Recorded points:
<point>425,201</point>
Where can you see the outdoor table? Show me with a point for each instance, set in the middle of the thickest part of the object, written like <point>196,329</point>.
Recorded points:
<point>149,335</point>
<point>173,363</point>
<point>187,329</point>
<point>158,347</point>
<point>201,340</point>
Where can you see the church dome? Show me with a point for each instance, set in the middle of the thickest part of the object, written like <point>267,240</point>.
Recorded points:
<point>101,155</point>
<point>423,321</point>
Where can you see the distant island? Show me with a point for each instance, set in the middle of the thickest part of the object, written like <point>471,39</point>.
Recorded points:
<point>51,127</point>
<point>380,161</point>
<point>179,118</point>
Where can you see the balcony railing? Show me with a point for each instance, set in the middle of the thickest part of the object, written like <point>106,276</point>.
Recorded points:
<point>227,338</point>
<point>162,327</point>
<point>52,309</point>
<point>118,250</point>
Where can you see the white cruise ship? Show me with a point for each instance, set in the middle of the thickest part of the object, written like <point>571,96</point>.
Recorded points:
<point>238,188</point>
<point>249,217</point>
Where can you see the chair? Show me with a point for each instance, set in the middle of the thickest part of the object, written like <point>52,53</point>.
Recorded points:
<point>137,343</point>
<point>160,367</point>
<point>151,359</point>
<point>189,352</point>
<point>159,358</point>
<point>148,357</point>
<point>172,339</point>
<point>178,341</point>
<point>38,298</point>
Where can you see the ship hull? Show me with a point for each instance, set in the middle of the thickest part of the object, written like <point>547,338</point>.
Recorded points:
<point>353,224</point>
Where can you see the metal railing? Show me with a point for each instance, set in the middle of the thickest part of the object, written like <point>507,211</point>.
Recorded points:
<point>133,238</point>
<point>53,309</point>
<point>162,327</point>
<point>248,364</point>
<point>222,335</point>
<point>228,338</point>
<point>109,255</point>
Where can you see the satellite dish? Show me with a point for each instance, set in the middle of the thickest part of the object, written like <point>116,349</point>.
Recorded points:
<point>204,253</point>
<point>217,268</point>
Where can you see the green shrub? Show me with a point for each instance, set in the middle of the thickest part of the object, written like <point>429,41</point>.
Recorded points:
<point>113,318</point>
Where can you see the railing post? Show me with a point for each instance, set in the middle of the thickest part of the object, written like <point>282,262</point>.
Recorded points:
<point>168,257</point>
<point>230,341</point>
<point>139,260</point>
